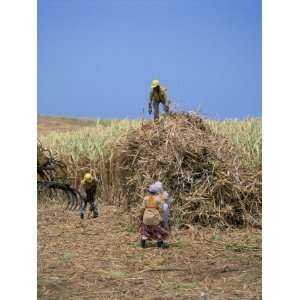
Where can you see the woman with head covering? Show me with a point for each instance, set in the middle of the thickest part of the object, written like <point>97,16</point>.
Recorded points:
<point>151,219</point>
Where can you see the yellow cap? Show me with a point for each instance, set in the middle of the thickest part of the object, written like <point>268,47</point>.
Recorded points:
<point>88,178</point>
<point>154,83</point>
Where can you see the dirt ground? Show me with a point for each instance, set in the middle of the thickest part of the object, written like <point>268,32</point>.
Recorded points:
<point>101,259</point>
<point>46,125</point>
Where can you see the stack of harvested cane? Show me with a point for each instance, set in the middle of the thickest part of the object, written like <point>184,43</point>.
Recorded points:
<point>202,172</point>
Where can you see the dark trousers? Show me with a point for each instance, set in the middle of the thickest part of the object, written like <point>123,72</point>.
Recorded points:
<point>155,105</point>
<point>93,207</point>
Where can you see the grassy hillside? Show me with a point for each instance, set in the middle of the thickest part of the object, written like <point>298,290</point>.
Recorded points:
<point>50,124</point>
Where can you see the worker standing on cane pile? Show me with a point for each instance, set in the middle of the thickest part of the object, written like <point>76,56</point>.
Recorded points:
<point>151,219</point>
<point>158,95</point>
<point>88,188</point>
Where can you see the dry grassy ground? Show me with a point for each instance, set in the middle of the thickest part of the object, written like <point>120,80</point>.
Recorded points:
<point>101,259</point>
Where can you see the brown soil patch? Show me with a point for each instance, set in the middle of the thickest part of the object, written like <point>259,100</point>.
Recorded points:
<point>101,259</point>
<point>46,125</point>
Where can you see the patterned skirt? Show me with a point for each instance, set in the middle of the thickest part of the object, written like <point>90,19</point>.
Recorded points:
<point>154,232</point>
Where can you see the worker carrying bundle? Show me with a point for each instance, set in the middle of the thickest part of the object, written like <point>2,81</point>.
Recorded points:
<point>158,95</point>
<point>88,188</point>
<point>152,227</point>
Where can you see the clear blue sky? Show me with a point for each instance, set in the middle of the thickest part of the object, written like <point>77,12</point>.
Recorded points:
<point>96,58</point>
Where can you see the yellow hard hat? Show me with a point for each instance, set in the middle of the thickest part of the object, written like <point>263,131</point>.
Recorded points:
<point>88,177</point>
<point>154,83</point>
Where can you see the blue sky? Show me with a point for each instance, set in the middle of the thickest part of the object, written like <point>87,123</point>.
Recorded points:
<point>96,58</point>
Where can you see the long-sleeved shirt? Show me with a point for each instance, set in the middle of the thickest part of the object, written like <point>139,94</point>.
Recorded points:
<point>164,196</point>
<point>88,190</point>
<point>158,96</point>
